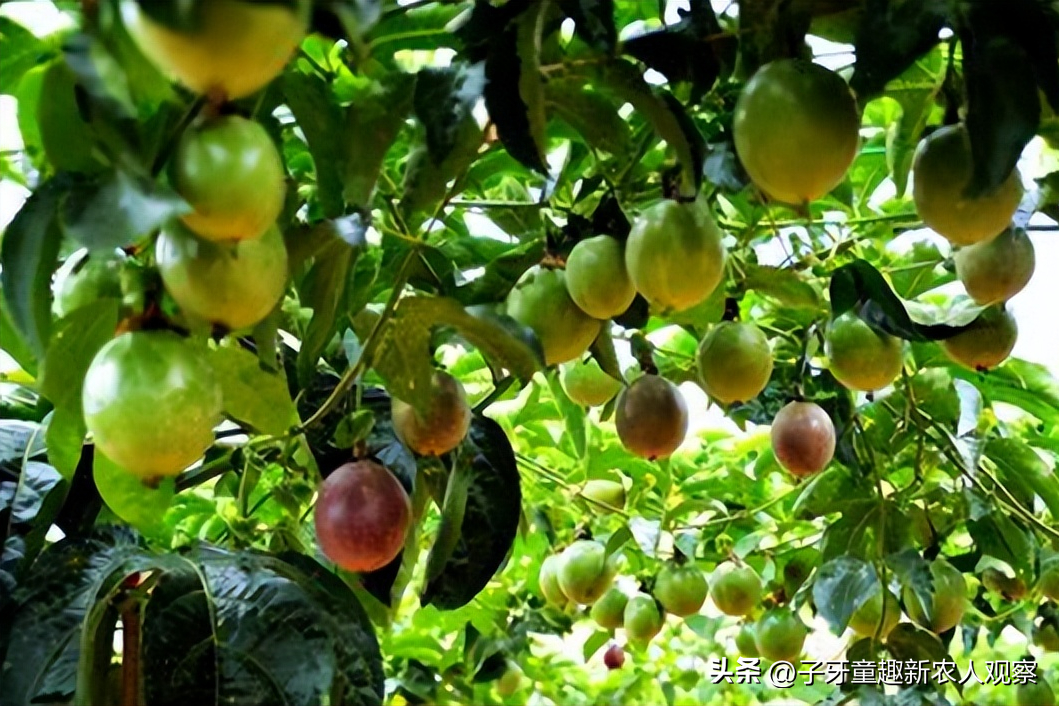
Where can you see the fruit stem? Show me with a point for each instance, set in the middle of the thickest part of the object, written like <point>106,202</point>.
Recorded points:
<point>130,652</point>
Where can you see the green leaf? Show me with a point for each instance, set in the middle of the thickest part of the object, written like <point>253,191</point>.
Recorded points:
<point>419,27</point>
<point>371,126</point>
<point>830,491</point>
<point>117,209</point>
<point>908,642</point>
<point>1028,386</point>
<point>253,396</point>
<point>783,285</point>
<point>514,95</point>
<point>841,586</point>
<point>1020,466</point>
<point>29,505</point>
<point>890,36</point>
<point>28,253</point>
<point>453,510</point>
<point>403,358</point>
<point>998,536</point>
<point>20,51</point>
<point>444,98</point>
<point>67,138</point>
<point>321,121</point>
<point>14,345</point>
<point>125,494</point>
<point>591,114</point>
<point>913,571</point>
<point>593,643</point>
<point>574,417</point>
<point>490,518</point>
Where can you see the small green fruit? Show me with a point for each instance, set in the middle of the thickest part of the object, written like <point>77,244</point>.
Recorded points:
<point>607,492</point>
<point>996,270</point>
<point>597,279</point>
<point>735,590</point>
<point>643,620</point>
<point>681,589</point>
<point>548,578</point>
<point>1048,584</point>
<point>735,362</point>
<point>540,300</point>
<point>861,357</point>
<point>84,278</point>
<point>586,384</point>
<point>1046,636</point>
<point>745,641</point>
<point>509,681</point>
<point>949,598</point>
<point>609,611</point>
<point>780,635</point>
<point>868,617</point>
<point>585,571</point>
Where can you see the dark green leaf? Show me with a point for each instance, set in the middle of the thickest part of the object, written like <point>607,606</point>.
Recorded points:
<point>371,125</point>
<point>841,586</point>
<point>253,396</point>
<point>910,642</point>
<point>1021,467</point>
<point>891,36</point>
<point>443,100</point>
<point>593,21</point>
<point>321,121</point>
<point>322,289</point>
<point>117,209</point>
<point>514,96</point>
<point>20,51</point>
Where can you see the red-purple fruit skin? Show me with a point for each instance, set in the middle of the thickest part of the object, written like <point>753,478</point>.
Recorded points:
<point>803,438</point>
<point>362,515</point>
<point>614,657</point>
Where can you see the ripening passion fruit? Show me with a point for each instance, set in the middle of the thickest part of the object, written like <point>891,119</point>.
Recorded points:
<point>674,254</point>
<point>585,572</point>
<point>548,578</point>
<point>651,417</point>
<point>232,47</point>
<point>442,426</point>
<point>540,300</point>
<point>987,343</point>
<point>949,600</point>
<point>734,361</point>
<point>606,492</point>
<point>151,401</point>
<point>231,174</point>
<point>362,516</point>
<point>234,284</point>
<point>586,384</point>
<point>597,279</point>
<point>803,438</point>
<point>681,589</point>
<point>642,619</point>
<point>860,357</point>
<point>780,635</point>
<point>942,170</point>
<point>996,270</point>
<point>870,617</point>
<point>735,589</point>
<point>84,278</point>
<point>609,611</point>
<point>796,129</point>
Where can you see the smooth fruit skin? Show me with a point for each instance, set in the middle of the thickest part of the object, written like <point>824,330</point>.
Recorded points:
<point>803,438</point>
<point>548,578</point>
<point>85,278</point>
<point>362,515</point>
<point>780,635</point>
<point>674,254</point>
<point>735,590</point>
<point>597,279</point>
<point>236,49</point>
<point>651,417</point>
<point>942,170</point>
<point>586,384</point>
<point>541,301</point>
<point>585,571</point>
<point>1039,694</point>
<point>614,657</point>
<point>866,619</point>
<point>234,284</point>
<point>509,681</point>
<point>745,641</point>
<point>734,361</point>
<point>151,401</point>
<point>862,358</point>
<point>949,599</point>
<point>987,343</point>
<point>607,492</point>
<point>231,174</point>
<point>996,270</point>
<point>442,427</point>
<point>609,611</point>
<point>796,129</point>
<point>681,589</point>
<point>642,619</point>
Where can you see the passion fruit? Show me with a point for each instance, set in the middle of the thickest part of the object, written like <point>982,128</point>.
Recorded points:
<point>651,417</point>
<point>585,571</point>
<point>869,616</point>
<point>548,578</point>
<point>442,426</point>
<point>734,362</point>
<point>996,270</point>
<point>796,130</point>
<point>1037,693</point>
<point>942,170</point>
<point>151,401</point>
<point>1048,583</point>
<point>860,357</point>
<point>85,278</point>
<point>597,279</point>
<point>231,174</point>
<point>540,300</point>
<point>605,492</point>
<point>674,254</point>
<point>642,619</point>
<point>586,384</point>
<point>609,611</point>
<point>362,516</point>
<point>780,635</point>
<point>681,589</point>
<point>614,657</point>
<point>510,681</point>
<point>987,343</point>
<point>234,284</point>
<point>949,598</point>
<point>803,438</point>
<point>745,642</point>
<point>233,47</point>
<point>735,589</point>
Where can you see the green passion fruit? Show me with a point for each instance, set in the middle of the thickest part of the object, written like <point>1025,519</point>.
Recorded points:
<point>234,284</point>
<point>681,589</point>
<point>949,598</point>
<point>862,358</point>
<point>987,343</point>
<point>745,642</point>
<point>1037,693</point>
<point>585,571</point>
<point>606,492</point>
<point>674,254</point>
<point>803,438</point>
<point>232,48</point>
<point>734,361</point>
<point>1048,583</point>
<point>151,401</point>
<point>609,611</point>
<point>796,129</point>
<point>780,635</point>
<point>509,681</point>
<point>942,170</point>
<point>870,617</point>
<point>652,417</point>
<point>442,426</point>
<point>231,174</point>
<point>642,619</point>
<point>586,384</point>
<point>540,300</point>
<point>84,278</point>
<point>995,270</point>
<point>735,589</point>
<point>362,516</point>
<point>548,578</point>
<point>597,279</point>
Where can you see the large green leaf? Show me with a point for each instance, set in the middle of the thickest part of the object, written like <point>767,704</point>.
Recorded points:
<point>117,209</point>
<point>252,395</point>
<point>142,507</point>
<point>841,586</point>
